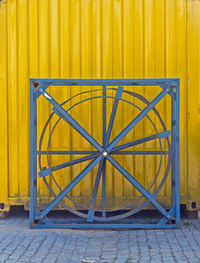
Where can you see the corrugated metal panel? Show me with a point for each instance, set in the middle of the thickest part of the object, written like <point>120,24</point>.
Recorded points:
<point>96,39</point>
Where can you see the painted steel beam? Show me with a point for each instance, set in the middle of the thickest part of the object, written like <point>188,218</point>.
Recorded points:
<point>113,113</point>
<point>107,82</point>
<point>160,135</point>
<point>104,116</point>
<point>140,116</point>
<point>47,172</point>
<point>177,151</point>
<point>138,186</point>
<point>70,120</point>
<point>70,186</point>
<point>33,155</point>
<point>140,152</point>
<point>169,86</point>
<point>104,188</point>
<point>107,226</point>
<point>94,193</point>
<point>66,152</point>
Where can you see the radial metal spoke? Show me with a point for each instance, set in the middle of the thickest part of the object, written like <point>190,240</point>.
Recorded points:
<point>113,113</point>
<point>138,186</point>
<point>94,193</point>
<point>70,186</point>
<point>104,116</point>
<point>66,152</point>
<point>160,135</point>
<point>139,117</point>
<point>70,120</point>
<point>46,172</point>
<point>140,152</point>
<point>104,188</point>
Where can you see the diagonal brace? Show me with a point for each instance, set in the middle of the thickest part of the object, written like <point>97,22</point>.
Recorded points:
<point>94,193</point>
<point>70,120</point>
<point>160,135</point>
<point>139,117</point>
<point>70,186</point>
<point>46,172</point>
<point>138,186</point>
<point>113,113</point>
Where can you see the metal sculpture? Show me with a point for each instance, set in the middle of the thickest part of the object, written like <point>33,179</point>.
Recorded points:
<point>92,217</point>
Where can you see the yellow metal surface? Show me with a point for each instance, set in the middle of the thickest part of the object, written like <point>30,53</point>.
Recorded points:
<point>96,39</point>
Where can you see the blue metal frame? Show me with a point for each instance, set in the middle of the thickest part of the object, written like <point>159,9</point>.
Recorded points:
<point>170,219</point>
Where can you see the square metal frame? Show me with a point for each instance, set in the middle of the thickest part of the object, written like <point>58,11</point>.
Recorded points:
<point>169,86</point>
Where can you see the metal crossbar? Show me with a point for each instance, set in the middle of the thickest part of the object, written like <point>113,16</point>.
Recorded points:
<point>103,153</point>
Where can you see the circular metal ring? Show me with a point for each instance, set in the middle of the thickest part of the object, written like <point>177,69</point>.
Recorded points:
<point>140,97</point>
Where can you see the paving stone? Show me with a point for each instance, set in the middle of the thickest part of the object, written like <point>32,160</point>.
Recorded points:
<point>20,244</point>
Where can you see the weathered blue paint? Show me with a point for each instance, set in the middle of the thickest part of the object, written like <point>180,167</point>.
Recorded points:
<point>138,186</point>
<point>70,186</point>
<point>146,139</point>
<point>94,193</point>
<point>46,172</point>
<point>33,154</point>
<point>66,152</point>
<point>137,119</point>
<point>113,113</point>
<point>177,142</point>
<point>170,219</point>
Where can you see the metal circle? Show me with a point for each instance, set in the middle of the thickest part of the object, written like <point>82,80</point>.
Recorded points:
<point>109,210</point>
<point>162,181</point>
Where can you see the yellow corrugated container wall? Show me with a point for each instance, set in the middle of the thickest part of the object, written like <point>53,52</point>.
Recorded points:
<point>95,39</point>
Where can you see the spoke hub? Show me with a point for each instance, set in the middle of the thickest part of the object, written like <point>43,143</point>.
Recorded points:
<point>104,153</point>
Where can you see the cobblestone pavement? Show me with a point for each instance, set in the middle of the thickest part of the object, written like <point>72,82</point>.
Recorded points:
<point>20,244</point>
